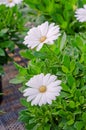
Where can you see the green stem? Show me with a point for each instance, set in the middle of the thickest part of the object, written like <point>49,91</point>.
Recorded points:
<point>51,119</point>
<point>53,53</point>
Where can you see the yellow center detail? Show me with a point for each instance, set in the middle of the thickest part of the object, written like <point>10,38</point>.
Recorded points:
<point>42,89</point>
<point>42,39</point>
<point>10,1</point>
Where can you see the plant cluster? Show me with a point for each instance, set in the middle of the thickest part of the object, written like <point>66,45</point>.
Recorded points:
<point>12,28</point>
<point>54,81</point>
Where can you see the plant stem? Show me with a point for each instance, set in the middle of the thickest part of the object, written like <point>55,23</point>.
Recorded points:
<point>53,53</point>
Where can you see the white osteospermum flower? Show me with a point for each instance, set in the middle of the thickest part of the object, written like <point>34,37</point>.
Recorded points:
<point>42,89</point>
<point>10,3</point>
<point>80,14</point>
<point>44,33</point>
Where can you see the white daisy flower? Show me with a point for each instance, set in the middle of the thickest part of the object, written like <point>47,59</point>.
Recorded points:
<point>10,3</point>
<point>44,33</point>
<point>42,89</point>
<point>80,14</point>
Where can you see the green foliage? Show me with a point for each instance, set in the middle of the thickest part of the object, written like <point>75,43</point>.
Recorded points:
<point>69,109</point>
<point>11,31</point>
<point>58,11</point>
<point>66,59</point>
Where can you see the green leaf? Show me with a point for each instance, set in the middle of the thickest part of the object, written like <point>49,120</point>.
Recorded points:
<point>3,31</point>
<point>65,69</point>
<point>81,98</point>
<point>2,53</point>
<point>66,61</point>
<point>70,80</point>
<point>39,55</point>
<point>65,87</point>
<point>22,70</point>
<point>72,65</point>
<point>84,117</point>
<point>36,126</point>
<point>8,44</point>
<point>17,80</point>
<point>78,125</point>
<point>26,54</point>
<point>47,127</point>
<point>63,42</point>
<point>72,104</point>
<point>64,94</point>
<point>24,102</point>
<point>70,122</point>
<point>83,88</point>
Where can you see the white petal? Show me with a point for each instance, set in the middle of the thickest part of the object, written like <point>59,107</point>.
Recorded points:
<point>31,97</point>
<point>43,28</point>
<point>39,46</point>
<point>35,44</point>
<point>45,79</point>
<point>51,79</point>
<point>30,91</point>
<point>51,25</point>
<point>51,96</point>
<point>37,99</point>
<point>53,31</point>
<point>49,101</point>
<point>51,39</point>
<point>36,81</point>
<point>35,33</point>
<point>43,99</point>
<point>54,89</point>
<point>54,84</point>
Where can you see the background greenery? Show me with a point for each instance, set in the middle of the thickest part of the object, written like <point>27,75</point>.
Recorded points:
<point>11,31</point>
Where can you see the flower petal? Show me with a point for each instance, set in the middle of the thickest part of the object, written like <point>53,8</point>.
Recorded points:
<point>54,84</point>
<point>37,99</point>
<point>39,46</point>
<point>43,28</point>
